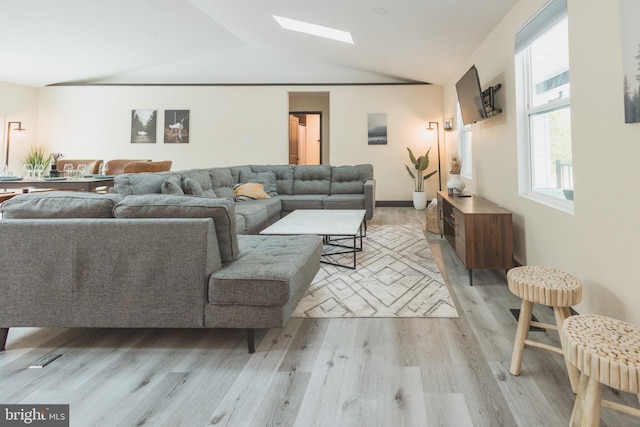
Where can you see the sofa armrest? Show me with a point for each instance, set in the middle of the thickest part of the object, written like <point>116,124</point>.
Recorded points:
<point>369,198</point>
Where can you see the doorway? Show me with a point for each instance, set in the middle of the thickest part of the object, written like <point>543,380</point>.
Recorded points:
<point>305,138</point>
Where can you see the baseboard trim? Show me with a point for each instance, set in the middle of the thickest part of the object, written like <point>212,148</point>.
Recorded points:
<point>394,203</point>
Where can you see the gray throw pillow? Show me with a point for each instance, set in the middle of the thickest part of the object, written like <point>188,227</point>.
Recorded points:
<point>172,185</point>
<point>191,186</point>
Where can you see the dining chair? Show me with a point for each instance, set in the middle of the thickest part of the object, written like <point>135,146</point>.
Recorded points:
<point>137,167</point>
<point>116,166</point>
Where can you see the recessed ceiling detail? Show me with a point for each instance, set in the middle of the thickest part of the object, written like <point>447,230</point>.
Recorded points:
<point>314,29</point>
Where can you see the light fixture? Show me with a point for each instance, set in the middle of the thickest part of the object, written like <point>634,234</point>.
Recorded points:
<point>448,124</point>
<point>314,30</point>
<point>437,129</point>
<point>19,129</point>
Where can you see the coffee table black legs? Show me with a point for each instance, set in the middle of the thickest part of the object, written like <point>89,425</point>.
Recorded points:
<point>353,248</point>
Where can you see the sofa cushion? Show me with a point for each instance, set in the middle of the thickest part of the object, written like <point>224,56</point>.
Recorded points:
<point>173,206</point>
<point>140,183</point>
<point>350,179</point>
<point>302,201</point>
<point>267,179</point>
<point>269,270</point>
<point>236,170</point>
<point>250,191</point>
<point>254,213</point>
<point>284,176</point>
<point>222,182</point>
<point>172,185</point>
<point>60,204</point>
<point>344,201</point>
<point>312,179</point>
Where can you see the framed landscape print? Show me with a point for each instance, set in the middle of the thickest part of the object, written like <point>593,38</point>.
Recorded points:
<point>176,126</point>
<point>143,126</point>
<point>377,128</point>
<point>630,37</point>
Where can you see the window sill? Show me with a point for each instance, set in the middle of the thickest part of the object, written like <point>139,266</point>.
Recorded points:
<point>558,203</point>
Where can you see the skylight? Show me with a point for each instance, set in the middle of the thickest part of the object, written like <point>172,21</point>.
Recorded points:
<point>314,30</point>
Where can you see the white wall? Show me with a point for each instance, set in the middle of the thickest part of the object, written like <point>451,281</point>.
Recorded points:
<point>232,125</point>
<point>18,104</point>
<point>599,242</point>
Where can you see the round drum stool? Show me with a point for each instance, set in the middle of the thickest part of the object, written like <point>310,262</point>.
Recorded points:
<point>606,351</point>
<point>550,287</point>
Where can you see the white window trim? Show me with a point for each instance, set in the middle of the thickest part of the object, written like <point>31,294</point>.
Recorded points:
<point>522,68</point>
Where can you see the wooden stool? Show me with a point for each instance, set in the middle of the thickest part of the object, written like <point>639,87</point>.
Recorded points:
<point>606,351</point>
<point>550,287</point>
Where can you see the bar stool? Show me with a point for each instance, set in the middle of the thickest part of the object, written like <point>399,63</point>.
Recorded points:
<point>550,287</point>
<point>605,351</point>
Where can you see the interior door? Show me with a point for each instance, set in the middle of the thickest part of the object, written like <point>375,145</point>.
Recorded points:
<point>293,139</point>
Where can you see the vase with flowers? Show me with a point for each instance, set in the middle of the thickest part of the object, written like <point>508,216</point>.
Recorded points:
<point>420,164</point>
<point>455,185</point>
<point>54,172</point>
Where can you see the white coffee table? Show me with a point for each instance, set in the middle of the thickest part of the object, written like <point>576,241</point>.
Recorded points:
<point>333,225</point>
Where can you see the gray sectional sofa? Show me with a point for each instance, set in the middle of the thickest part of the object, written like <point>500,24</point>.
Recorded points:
<point>168,249</point>
<point>76,259</point>
<point>290,187</point>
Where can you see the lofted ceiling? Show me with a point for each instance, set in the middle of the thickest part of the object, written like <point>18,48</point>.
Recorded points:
<point>46,42</point>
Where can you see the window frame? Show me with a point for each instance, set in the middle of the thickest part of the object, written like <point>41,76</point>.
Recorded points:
<point>465,138</point>
<point>524,113</point>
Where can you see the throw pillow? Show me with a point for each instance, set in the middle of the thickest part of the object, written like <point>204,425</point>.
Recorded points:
<point>250,191</point>
<point>191,186</point>
<point>171,186</point>
<point>267,179</point>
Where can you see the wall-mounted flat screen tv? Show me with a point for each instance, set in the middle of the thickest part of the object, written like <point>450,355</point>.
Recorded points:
<point>470,97</point>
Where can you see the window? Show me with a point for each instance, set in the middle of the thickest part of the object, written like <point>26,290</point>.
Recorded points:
<point>464,147</point>
<point>544,108</point>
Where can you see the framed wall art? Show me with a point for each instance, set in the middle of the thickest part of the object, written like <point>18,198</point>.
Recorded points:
<point>377,128</point>
<point>630,37</point>
<point>143,126</point>
<point>176,126</point>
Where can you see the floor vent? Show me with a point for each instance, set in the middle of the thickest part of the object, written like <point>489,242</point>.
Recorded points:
<point>44,361</point>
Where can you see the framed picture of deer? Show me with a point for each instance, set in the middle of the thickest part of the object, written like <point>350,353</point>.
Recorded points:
<point>176,126</point>
<point>143,126</point>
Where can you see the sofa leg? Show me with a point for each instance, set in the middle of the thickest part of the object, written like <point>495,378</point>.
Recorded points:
<point>251,340</point>
<point>4,333</point>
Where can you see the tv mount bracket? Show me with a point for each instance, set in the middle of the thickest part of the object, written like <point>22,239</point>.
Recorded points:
<point>488,100</point>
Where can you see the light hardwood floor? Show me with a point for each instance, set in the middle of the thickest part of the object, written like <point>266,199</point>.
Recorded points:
<point>324,372</point>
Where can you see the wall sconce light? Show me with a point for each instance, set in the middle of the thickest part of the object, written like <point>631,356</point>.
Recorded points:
<point>448,124</point>
<point>19,129</point>
<point>437,129</point>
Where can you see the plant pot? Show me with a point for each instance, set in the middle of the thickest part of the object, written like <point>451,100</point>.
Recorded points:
<point>455,183</point>
<point>419,200</point>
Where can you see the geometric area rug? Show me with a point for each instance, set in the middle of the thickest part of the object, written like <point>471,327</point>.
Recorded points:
<point>396,275</point>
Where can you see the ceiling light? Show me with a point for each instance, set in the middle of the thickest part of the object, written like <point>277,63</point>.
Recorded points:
<point>314,30</point>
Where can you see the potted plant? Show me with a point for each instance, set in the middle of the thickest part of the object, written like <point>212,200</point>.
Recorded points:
<point>420,164</point>
<point>38,158</point>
